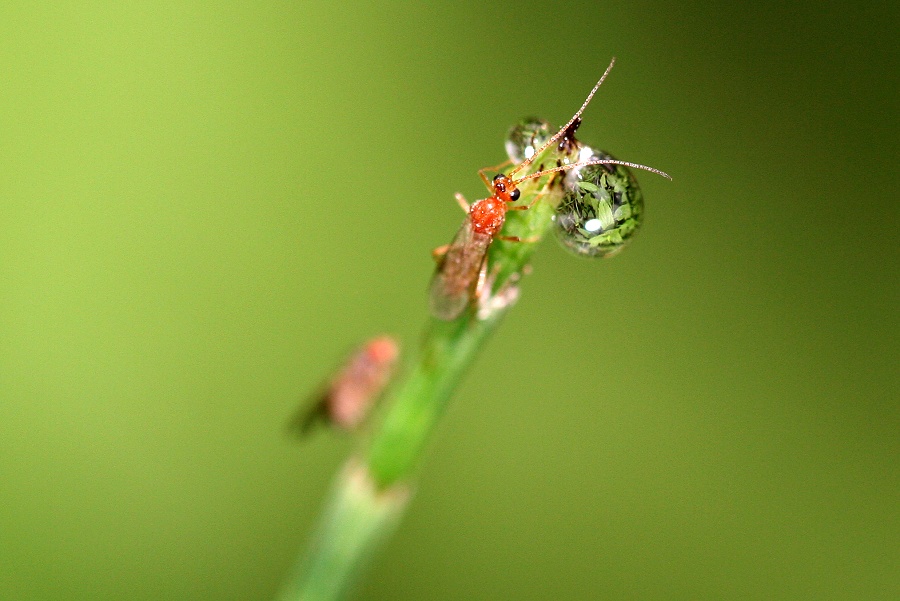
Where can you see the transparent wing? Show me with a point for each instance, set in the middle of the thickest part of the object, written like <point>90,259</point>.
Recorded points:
<point>454,281</point>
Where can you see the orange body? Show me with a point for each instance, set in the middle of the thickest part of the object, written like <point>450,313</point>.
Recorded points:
<point>456,278</point>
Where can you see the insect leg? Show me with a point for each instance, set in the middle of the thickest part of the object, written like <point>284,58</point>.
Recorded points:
<point>517,239</point>
<point>487,303</point>
<point>481,281</point>
<point>495,168</point>
<point>537,197</point>
<point>462,202</point>
<point>438,253</point>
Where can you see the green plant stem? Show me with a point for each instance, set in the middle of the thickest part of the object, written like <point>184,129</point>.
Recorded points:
<point>448,350</point>
<point>368,498</point>
<point>359,516</point>
<point>370,494</point>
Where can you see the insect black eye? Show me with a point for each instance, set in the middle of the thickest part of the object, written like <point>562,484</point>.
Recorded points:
<point>498,176</point>
<point>515,195</point>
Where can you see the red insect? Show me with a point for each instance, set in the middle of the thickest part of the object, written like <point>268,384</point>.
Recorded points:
<point>347,399</point>
<point>460,276</point>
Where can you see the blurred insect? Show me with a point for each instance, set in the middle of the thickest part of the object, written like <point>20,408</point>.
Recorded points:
<point>460,278</point>
<point>347,399</point>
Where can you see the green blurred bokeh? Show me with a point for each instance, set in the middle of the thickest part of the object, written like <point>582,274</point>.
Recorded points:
<point>204,205</point>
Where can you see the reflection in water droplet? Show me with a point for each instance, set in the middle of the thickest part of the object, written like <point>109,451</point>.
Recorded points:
<point>601,210</point>
<point>526,137</point>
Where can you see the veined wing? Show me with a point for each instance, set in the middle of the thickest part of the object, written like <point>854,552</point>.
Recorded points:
<point>454,281</point>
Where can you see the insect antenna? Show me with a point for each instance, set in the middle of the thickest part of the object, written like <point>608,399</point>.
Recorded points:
<point>556,137</point>
<point>597,162</point>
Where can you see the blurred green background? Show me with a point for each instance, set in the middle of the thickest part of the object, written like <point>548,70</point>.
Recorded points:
<point>204,205</point>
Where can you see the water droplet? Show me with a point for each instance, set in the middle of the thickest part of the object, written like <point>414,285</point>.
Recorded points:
<point>524,138</point>
<point>601,209</point>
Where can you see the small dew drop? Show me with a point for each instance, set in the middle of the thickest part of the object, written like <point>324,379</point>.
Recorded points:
<point>524,139</point>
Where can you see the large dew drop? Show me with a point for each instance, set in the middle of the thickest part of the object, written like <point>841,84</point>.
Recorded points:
<point>601,210</point>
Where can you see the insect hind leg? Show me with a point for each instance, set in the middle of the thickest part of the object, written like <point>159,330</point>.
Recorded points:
<point>461,200</point>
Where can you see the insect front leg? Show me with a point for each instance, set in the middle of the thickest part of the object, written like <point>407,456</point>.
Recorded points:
<point>518,239</point>
<point>483,172</point>
<point>461,200</point>
<point>537,197</point>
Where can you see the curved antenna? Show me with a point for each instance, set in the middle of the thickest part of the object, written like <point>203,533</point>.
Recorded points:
<point>586,163</point>
<point>547,144</point>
